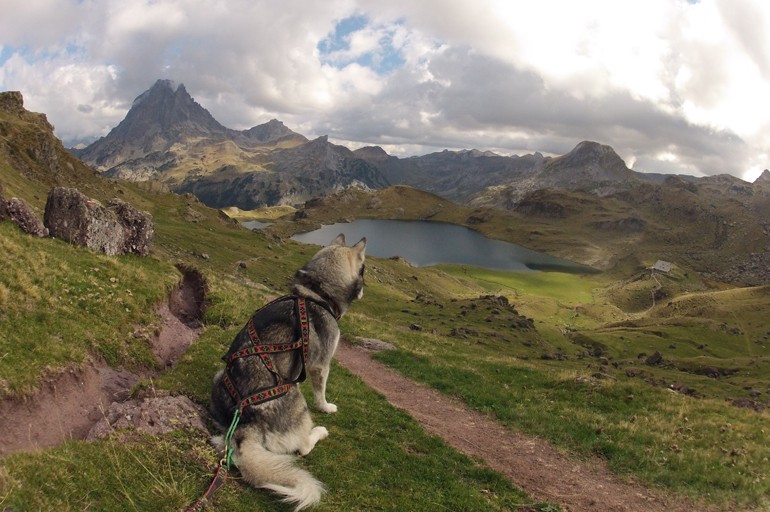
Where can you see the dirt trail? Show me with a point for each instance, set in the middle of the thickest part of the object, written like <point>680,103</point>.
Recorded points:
<point>529,462</point>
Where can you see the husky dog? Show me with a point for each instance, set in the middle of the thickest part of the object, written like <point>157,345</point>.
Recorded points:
<point>272,430</point>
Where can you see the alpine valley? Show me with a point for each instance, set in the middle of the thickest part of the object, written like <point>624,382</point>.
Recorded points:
<point>586,205</point>
<point>655,378</point>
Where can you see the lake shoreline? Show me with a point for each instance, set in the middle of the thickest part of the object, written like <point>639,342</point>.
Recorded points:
<point>427,243</point>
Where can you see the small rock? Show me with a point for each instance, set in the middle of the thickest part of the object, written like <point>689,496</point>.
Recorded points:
<point>654,359</point>
<point>375,345</point>
<point>747,404</point>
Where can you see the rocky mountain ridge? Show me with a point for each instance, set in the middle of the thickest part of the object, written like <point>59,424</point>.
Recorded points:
<point>167,136</point>
<point>166,115</point>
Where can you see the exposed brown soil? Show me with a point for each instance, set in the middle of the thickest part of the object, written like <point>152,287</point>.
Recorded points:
<point>531,463</point>
<point>188,300</point>
<point>65,407</point>
<point>69,404</point>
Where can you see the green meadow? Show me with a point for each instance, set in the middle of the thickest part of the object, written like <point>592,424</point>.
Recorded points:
<point>560,356</point>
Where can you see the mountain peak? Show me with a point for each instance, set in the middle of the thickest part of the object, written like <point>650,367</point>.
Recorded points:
<point>589,166</point>
<point>161,87</point>
<point>161,116</point>
<point>371,153</point>
<point>763,178</point>
<point>594,155</point>
<point>168,106</point>
<point>272,131</point>
<point>591,149</point>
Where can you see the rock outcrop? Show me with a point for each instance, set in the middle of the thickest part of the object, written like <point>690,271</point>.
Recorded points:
<point>23,216</point>
<point>12,102</point>
<point>137,226</point>
<point>152,415</point>
<point>117,228</point>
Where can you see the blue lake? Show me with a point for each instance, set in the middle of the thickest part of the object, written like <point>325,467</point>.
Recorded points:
<point>255,224</point>
<point>425,243</point>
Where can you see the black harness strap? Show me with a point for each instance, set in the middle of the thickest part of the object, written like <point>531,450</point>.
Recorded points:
<point>263,350</point>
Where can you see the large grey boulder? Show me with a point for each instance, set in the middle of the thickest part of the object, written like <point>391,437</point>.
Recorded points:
<point>79,220</point>
<point>137,225</point>
<point>23,216</point>
<point>117,228</point>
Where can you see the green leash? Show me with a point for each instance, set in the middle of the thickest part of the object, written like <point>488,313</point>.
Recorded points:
<point>229,439</point>
<point>224,466</point>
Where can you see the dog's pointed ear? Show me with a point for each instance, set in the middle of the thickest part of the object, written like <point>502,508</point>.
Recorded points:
<point>340,240</point>
<point>360,247</point>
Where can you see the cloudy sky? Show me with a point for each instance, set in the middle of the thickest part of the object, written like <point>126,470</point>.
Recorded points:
<point>672,85</point>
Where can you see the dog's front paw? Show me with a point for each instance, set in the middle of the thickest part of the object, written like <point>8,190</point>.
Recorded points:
<point>327,408</point>
<point>321,432</point>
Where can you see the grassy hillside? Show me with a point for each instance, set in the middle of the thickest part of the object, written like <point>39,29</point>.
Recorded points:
<point>561,356</point>
<point>62,307</point>
<point>576,365</point>
<point>80,305</point>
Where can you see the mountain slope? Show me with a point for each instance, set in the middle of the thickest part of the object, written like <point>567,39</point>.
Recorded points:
<point>167,136</point>
<point>33,160</point>
<point>456,175</point>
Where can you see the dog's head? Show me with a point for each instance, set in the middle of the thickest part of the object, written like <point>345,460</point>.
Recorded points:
<point>335,274</point>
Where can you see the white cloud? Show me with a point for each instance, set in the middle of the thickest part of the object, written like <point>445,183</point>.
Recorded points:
<point>661,77</point>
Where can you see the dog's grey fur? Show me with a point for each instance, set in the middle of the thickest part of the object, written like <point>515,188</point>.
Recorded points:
<point>269,434</point>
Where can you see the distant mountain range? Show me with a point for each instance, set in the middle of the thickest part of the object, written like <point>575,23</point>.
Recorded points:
<point>585,205</point>
<point>167,136</point>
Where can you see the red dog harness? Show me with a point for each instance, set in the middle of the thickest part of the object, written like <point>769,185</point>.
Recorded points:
<point>257,348</point>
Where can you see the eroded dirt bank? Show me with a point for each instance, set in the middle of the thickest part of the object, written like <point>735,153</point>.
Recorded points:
<point>68,405</point>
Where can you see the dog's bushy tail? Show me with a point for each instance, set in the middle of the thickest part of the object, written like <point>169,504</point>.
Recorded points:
<point>278,473</point>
